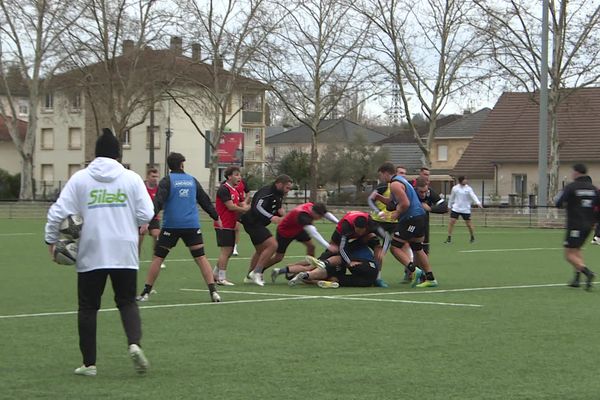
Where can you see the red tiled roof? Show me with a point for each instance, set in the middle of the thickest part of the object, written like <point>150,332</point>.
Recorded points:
<point>510,132</point>
<point>5,136</point>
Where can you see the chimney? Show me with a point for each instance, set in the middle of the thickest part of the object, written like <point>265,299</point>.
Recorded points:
<point>196,52</point>
<point>127,46</point>
<point>176,45</point>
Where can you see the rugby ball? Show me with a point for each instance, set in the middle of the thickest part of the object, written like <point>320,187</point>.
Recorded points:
<point>71,226</point>
<point>65,252</point>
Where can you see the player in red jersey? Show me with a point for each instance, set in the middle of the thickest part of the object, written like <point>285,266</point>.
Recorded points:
<point>243,191</point>
<point>298,225</point>
<point>154,226</point>
<point>229,206</point>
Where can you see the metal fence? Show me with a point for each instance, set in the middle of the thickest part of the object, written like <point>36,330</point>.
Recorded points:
<point>516,217</point>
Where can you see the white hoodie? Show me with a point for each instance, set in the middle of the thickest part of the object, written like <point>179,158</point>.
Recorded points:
<point>113,202</point>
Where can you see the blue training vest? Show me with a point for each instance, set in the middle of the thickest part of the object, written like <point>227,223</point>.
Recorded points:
<point>415,209</point>
<point>180,209</point>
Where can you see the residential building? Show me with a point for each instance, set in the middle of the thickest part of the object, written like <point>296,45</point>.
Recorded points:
<point>10,161</point>
<point>68,123</point>
<point>501,161</point>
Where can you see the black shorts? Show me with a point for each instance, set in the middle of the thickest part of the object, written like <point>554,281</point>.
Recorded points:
<point>283,242</point>
<point>258,233</point>
<point>154,224</point>
<point>225,237</point>
<point>410,228</point>
<point>576,237</point>
<point>169,236</point>
<point>389,227</point>
<point>363,275</point>
<point>455,215</point>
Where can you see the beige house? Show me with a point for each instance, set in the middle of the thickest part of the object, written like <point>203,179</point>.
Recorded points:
<point>67,127</point>
<point>501,160</point>
<point>10,161</point>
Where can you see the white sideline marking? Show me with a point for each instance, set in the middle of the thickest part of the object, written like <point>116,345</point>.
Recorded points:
<point>346,297</point>
<point>244,292</point>
<point>303,297</point>
<point>168,260</point>
<point>17,234</point>
<point>499,250</point>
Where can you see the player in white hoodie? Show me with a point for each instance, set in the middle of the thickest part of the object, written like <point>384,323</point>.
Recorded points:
<point>113,202</point>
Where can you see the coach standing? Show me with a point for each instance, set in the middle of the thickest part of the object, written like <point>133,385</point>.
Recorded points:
<point>113,202</point>
<point>580,198</point>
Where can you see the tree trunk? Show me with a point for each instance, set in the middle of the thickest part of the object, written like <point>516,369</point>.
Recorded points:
<point>314,168</point>
<point>26,192</point>
<point>553,184</point>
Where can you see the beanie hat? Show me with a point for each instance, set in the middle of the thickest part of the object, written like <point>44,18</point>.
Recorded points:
<point>107,145</point>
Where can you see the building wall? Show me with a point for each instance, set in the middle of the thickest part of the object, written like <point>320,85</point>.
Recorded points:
<point>10,161</point>
<point>456,148</point>
<point>185,139</point>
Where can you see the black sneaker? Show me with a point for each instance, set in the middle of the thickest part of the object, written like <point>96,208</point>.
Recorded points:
<point>448,241</point>
<point>472,240</point>
<point>574,283</point>
<point>588,280</point>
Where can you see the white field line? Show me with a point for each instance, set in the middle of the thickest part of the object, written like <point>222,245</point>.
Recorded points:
<point>18,234</point>
<point>169,260</point>
<point>302,297</point>
<point>501,250</point>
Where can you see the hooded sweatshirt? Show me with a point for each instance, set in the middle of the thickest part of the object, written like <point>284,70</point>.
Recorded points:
<point>113,203</point>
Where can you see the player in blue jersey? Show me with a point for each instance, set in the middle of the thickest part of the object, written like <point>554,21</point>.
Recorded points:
<point>178,194</point>
<point>407,208</point>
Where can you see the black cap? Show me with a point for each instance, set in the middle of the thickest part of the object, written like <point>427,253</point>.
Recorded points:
<point>107,145</point>
<point>174,161</point>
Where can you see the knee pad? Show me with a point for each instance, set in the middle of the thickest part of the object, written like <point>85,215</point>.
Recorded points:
<point>398,243</point>
<point>416,246</point>
<point>161,252</point>
<point>197,252</point>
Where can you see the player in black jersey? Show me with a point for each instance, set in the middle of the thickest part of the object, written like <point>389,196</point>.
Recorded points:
<point>580,198</point>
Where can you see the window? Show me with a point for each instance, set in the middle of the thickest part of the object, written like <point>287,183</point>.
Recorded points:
<point>47,142</point>
<point>23,109</point>
<point>156,137</point>
<point>126,140</point>
<point>47,173</point>
<point>252,109</point>
<point>519,183</point>
<point>76,102</point>
<point>48,102</point>
<point>74,138</point>
<point>442,152</point>
<point>73,168</point>
<point>252,136</point>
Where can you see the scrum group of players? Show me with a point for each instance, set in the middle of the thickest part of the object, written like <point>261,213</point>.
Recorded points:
<point>353,257</point>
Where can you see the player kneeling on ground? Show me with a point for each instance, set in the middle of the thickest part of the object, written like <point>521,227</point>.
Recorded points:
<point>359,271</point>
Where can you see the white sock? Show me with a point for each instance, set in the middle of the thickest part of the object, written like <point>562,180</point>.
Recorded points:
<point>235,248</point>
<point>222,274</point>
<point>379,275</point>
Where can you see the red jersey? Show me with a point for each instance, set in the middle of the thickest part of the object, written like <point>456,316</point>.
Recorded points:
<point>241,188</point>
<point>225,193</point>
<point>348,221</point>
<point>152,192</point>
<point>292,224</point>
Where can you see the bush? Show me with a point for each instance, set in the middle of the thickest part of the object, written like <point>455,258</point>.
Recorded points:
<point>10,185</point>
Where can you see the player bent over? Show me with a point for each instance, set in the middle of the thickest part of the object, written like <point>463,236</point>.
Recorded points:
<point>178,194</point>
<point>298,225</point>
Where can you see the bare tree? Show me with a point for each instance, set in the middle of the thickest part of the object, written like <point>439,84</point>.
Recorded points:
<point>512,28</point>
<point>113,62</point>
<point>29,34</point>
<point>430,51</point>
<point>229,34</point>
<point>316,62</point>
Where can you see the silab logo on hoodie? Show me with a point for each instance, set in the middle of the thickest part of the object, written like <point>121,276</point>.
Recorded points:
<point>103,198</point>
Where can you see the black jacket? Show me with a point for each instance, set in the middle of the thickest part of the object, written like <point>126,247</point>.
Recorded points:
<point>581,199</point>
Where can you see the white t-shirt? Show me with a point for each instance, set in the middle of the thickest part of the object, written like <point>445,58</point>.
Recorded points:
<point>461,198</point>
<point>113,202</point>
